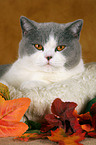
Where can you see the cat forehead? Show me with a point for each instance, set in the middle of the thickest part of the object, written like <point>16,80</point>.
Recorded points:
<point>51,28</point>
<point>43,30</point>
<point>51,42</point>
<point>47,33</point>
<point>51,25</point>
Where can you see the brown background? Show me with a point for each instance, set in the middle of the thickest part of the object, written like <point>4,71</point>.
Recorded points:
<point>60,11</point>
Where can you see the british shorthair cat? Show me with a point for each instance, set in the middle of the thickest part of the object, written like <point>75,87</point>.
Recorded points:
<point>48,53</point>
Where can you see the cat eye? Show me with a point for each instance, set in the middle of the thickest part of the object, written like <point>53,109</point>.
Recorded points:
<point>60,48</point>
<point>39,47</point>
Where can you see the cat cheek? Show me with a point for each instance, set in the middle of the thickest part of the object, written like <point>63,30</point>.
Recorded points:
<point>59,60</point>
<point>41,61</point>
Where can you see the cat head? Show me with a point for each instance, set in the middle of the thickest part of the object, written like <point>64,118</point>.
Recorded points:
<point>51,44</point>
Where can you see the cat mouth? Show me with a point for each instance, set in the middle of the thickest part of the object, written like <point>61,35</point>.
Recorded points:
<point>48,64</point>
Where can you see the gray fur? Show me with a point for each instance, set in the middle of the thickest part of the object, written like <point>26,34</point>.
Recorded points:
<point>38,33</point>
<point>4,69</point>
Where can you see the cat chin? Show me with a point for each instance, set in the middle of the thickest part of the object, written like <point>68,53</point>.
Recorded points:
<point>48,68</point>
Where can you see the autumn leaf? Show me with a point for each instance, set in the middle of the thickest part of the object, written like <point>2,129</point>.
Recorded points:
<point>45,127</point>
<point>85,118</point>
<point>87,127</point>
<point>63,116</point>
<point>11,112</point>
<point>4,91</point>
<point>88,121</point>
<point>93,113</point>
<point>8,128</point>
<point>32,136</point>
<point>92,134</point>
<point>60,136</point>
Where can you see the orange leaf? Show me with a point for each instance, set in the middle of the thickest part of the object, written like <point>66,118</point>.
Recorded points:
<point>32,136</point>
<point>60,136</point>
<point>12,128</point>
<point>13,110</point>
<point>87,127</point>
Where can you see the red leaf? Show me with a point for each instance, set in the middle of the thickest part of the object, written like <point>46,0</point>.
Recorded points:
<point>94,122</point>
<point>93,109</point>
<point>85,118</point>
<point>65,111</point>
<point>53,120</point>
<point>59,107</point>
<point>93,113</point>
<point>92,134</point>
<point>46,127</point>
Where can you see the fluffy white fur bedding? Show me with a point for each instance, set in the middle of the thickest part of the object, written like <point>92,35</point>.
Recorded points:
<point>79,89</point>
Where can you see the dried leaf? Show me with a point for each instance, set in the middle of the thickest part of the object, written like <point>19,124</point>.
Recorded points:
<point>11,112</point>
<point>4,91</point>
<point>85,118</point>
<point>65,111</point>
<point>63,115</point>
<point>45,127</point>
<point>32,136</point>
<point>92,134</point>
<point>93,113</point>
<point>87,127</point>
<point>60,136</point>
<point>53,120</point>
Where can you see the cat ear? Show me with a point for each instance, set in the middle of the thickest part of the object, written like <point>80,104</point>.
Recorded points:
<point>76,27</point>
<point>26,24</point>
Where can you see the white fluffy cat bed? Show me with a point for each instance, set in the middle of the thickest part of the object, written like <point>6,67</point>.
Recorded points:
<point>80,89</point>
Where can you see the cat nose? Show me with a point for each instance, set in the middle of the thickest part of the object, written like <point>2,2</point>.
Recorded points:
<point>49,57</point>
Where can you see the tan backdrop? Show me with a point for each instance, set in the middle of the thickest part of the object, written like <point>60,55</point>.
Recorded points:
<point>60,11</point>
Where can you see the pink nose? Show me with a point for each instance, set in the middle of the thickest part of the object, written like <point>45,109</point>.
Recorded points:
<point>49,57</point>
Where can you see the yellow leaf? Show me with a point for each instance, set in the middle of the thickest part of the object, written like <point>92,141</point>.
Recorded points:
<point>4,91</point>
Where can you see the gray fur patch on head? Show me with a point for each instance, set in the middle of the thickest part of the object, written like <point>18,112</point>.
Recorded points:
<point>65,34</point>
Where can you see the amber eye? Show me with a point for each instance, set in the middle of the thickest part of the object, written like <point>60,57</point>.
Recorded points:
<point>60,48</point>
<point>39,47</point>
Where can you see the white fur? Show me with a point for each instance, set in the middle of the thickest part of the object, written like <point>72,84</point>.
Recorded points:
<point>79,89</point>
<point>23,71</point>
<point>50,46</point>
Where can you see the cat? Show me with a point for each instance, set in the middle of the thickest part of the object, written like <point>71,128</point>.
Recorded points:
<point>48,53</point>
